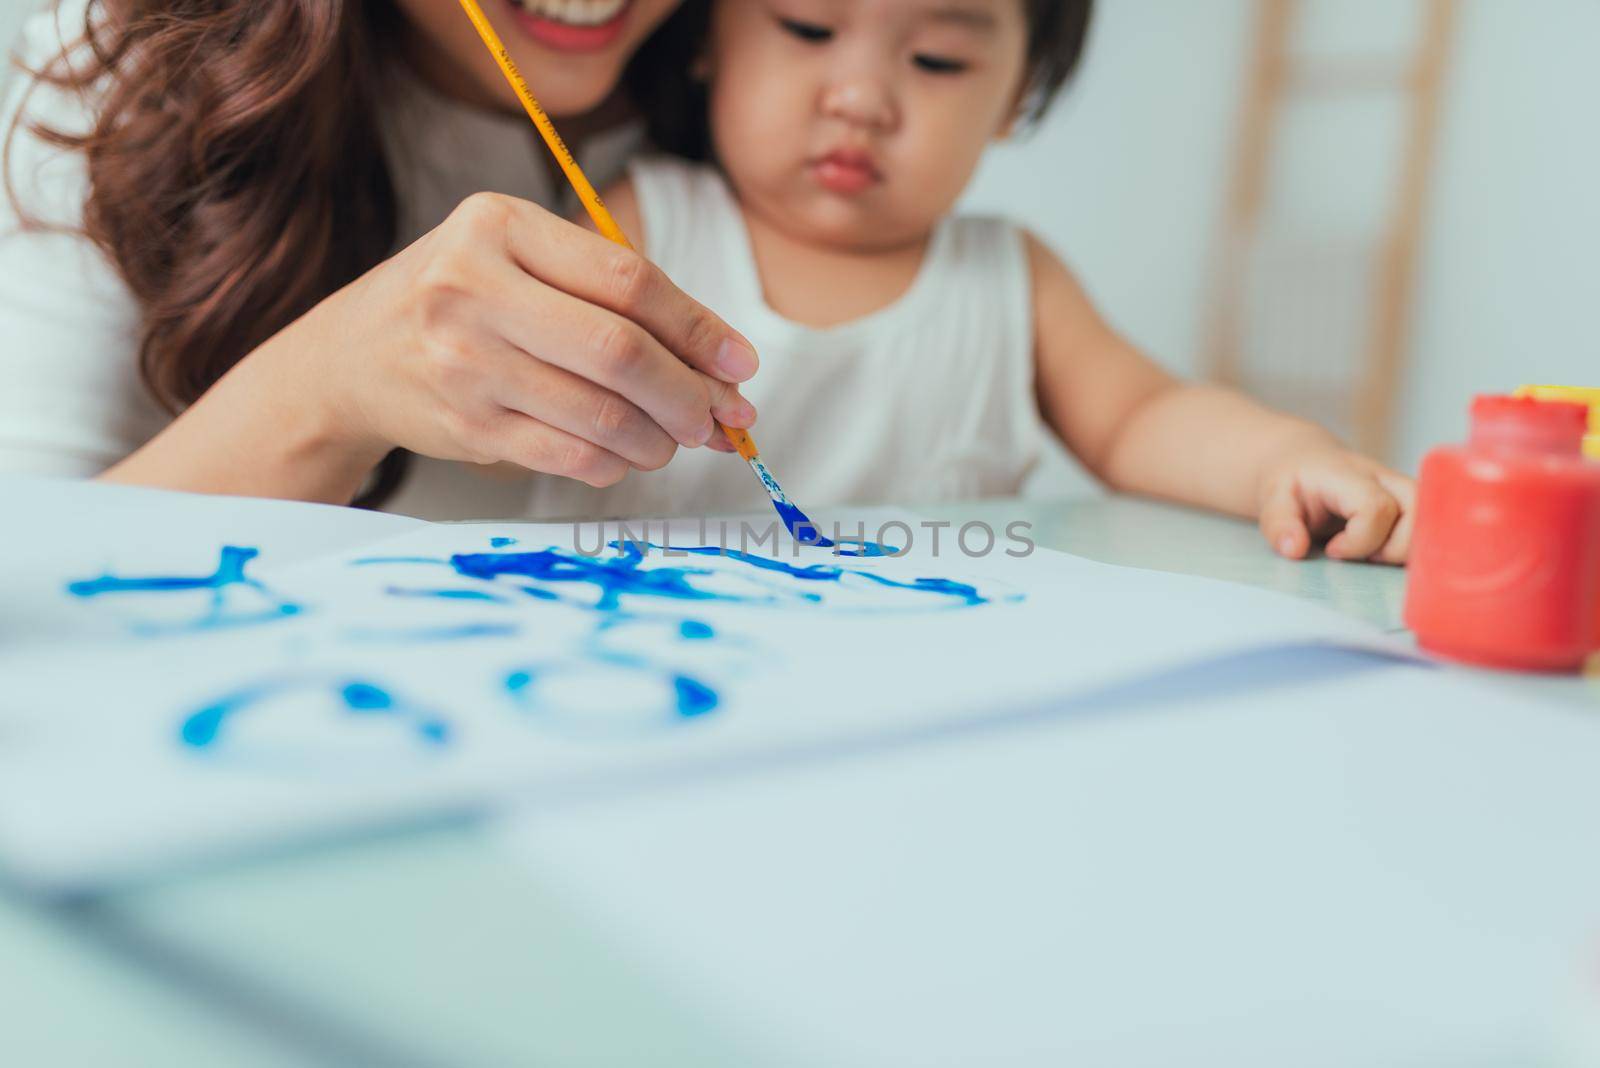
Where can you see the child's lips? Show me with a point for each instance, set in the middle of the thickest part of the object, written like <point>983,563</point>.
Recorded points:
<point>846,172</point>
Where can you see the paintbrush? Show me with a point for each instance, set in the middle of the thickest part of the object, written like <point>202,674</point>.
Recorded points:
<point>793,518</point>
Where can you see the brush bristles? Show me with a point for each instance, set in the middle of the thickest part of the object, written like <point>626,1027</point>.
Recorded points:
<point>773,489</point>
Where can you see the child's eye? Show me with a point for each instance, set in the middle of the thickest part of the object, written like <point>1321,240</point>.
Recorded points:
<point>807,31</point>
<point>938,64</point>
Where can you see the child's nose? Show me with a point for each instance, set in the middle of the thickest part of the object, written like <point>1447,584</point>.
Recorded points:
<point>860,101</point>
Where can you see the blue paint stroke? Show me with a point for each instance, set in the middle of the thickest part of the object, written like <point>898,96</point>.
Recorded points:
<point>613,577</point>
<point>408,635</point>
<point>202,728</point>
<point>501,543</point>
<point>696,631</point>
<point>365,697</point>
<point>865,549</point>
<point>691,698</point>
<point>695,698</point>
<point>230,572</point>
<point>946,587</point>
<point>800,526</point>
<point>803,572</point>
<point>445,595</point>
<point>830,573</point>
<point>622,574</point>
<point>806,532</point>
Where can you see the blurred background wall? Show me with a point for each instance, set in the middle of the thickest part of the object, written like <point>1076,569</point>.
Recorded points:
<point>1130,177</point>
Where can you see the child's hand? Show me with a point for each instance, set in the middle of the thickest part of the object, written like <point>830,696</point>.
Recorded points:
<point>1326,490</point>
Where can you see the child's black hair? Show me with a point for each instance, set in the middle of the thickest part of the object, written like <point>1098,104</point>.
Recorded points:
<point>1057,32</point>
<point>675,103</point>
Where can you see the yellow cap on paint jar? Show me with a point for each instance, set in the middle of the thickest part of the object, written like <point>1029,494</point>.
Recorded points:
<point>1577,395</point>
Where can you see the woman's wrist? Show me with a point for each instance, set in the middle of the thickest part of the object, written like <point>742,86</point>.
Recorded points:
<point>313,437</point>
<point>267,428</point>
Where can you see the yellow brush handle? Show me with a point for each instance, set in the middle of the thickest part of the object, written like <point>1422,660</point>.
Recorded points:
<point>592,203</point>
<point>569,166</point>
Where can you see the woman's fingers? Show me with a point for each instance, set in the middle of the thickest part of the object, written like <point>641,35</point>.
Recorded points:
<point>719,442</point>
<point>578,407</point>
<point>617,355</point>
<point>544,345</point>
<point>599,272</point>
<point>728,405</point>
<point>540,447</point>
<point>1283,522</point>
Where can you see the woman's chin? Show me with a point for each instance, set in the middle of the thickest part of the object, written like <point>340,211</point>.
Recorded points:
<point>578,91</point>
<point>584,45</point>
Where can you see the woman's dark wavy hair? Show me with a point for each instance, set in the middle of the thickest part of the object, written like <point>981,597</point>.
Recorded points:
<point>679,117</point>
<point>236,171</point>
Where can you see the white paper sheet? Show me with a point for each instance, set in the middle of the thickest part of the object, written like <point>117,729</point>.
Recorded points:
<point>364,669</point>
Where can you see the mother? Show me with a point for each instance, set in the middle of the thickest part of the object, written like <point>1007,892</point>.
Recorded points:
<point>259,248</point>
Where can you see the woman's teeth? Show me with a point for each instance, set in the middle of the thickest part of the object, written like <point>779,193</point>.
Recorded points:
<point>574,12</point>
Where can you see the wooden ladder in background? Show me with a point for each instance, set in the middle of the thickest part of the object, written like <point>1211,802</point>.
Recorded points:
<point>1277,74</point>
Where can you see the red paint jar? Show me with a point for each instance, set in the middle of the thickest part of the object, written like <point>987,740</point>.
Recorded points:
<point>1505,556</point>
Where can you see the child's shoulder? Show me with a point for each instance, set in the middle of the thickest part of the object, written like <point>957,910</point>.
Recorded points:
<point>657,192</point>
<point>1052,278</point>
<point>971,230</point>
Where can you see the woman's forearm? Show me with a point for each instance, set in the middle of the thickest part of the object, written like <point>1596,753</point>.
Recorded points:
<point>263,430</point>
<point>1205,446</point>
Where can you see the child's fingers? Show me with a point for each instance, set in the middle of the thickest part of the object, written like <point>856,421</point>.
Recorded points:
<point>1370,517</point>
<point>1283,522</point>
<point>1398,548</point>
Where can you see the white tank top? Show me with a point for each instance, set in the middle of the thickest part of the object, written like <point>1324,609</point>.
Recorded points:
<point>930,398</point>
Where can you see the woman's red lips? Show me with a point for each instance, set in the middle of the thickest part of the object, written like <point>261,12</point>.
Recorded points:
<point>847,172</point>
<point>569,36</point>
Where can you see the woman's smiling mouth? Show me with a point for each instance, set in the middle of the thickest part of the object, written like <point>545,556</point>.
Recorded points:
<point>572,25</point>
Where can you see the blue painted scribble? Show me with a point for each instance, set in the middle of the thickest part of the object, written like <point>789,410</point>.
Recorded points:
<point>682,697</point>
<point>669,693</point>
<point>799,525</point>
<point>622,575</point>
<point>445,595</point>
<point>829,573</point>
<point>695,698</point>
<point>203,728</point>
<point>612,577</point>
<point>430,635</point>
<point>229,574</point>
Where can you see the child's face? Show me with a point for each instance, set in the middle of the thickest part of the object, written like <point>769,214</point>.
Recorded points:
<point>857,123</point>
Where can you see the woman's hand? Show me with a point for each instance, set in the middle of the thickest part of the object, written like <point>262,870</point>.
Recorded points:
<point>506,334</point>
<point>1326,490</point>
<point>509,334</point>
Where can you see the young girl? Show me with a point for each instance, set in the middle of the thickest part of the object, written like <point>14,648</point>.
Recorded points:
<point>910,355</point>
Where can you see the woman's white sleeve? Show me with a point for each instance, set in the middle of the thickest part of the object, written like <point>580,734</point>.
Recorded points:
<point>71,400</point>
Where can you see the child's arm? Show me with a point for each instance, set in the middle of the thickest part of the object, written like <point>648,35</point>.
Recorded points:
<point>1139,429</point>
